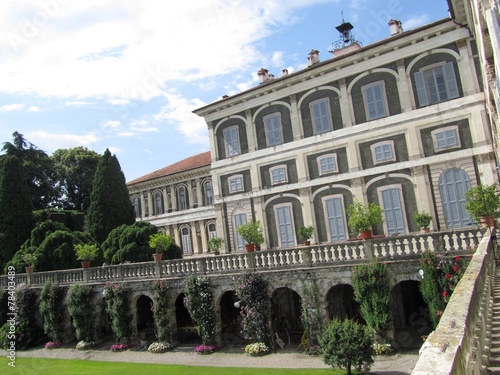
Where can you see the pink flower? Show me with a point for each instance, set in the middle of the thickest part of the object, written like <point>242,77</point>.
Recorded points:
<point>445,293</point>
<point>447,275</point>
<point>455,269</point>
<point>457,258</point>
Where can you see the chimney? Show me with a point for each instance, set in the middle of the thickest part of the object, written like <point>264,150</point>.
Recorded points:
<point>313,57</point>
<point>225,96</point>
<point>396,27</point>
<point>284,72</point>
<point>263,75</point>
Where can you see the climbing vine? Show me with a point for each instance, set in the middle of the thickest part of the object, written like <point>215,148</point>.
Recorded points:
<point>160,307</point>
<point>118,308</point>
<point>199,303</point>
<point>52,310</point>
<point>311,316</point>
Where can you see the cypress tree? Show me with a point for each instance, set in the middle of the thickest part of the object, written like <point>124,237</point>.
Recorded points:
<point>16,220</point>
<point>110,204</point>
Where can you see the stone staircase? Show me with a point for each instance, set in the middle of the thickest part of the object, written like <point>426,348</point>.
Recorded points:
<point>494,358</point>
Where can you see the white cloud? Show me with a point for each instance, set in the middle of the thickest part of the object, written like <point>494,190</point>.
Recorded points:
<point>53,141</point>
<point>33,108</point>
<point>278,59</point>
<point>76,103</point>
<point>11,107</point>
<point>416,21</point>
<point>112,124</point>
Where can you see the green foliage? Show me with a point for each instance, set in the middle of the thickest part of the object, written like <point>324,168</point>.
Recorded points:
<point>372,291</point>
<point>311,311</point>
<point>118,307</point>
<point>199,303</point>
<point>160,310</point>
<point>110,205</point>
<point>71,219</point>
<point>346,344</point>
<point>3,307</point>
<point>30,259</point>
<point>86,252</point>
<point>16,220</point>
<point>422,219</point>
<point>363,217</point>
<point>215,243</point>
<point>75,169</point>
<point>441,274</point>
<point>305,233</point>
<point>160,242</point>
<point>52,310</point>
<point>482,201</point>
<point>251,232</point>
<point>82,309</point>
<point>252,291</point>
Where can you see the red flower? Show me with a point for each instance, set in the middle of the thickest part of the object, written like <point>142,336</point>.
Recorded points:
<point>445,293</point>
<point>457,258</point>
<point>447,275</point>
<point>455,269</point>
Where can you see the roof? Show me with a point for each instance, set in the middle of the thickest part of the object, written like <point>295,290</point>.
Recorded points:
<point>192,162</point>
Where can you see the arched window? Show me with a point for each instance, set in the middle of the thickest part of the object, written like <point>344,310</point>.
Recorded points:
<point>186,240</point>
<point>212,231</point>
<point>209,193</point>
<point>182,198</point>
<point>136,205</point>
<point>158,203</point>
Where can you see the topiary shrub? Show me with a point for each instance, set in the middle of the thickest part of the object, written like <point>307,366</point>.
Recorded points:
<point>83,313</point>
<point>199,303</point>
<point>52,310</point>
<point>346,344</point>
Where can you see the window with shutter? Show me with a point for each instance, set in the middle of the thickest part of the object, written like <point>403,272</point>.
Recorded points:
<point>436,84</point>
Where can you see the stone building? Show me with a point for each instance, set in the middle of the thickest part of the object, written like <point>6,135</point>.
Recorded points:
<point>401,122</point>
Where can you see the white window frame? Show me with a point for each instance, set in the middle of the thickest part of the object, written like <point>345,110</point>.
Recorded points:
<point>329,115</point>
<point>267,130</point>
<point>369,86</point>
<point>209,192</point>
<point>136,204</point>
<point>186,241</point>
<point>275,168</point>
<point>424,95</point>
<point>325,212</point>
<point>238,240</point>
<point>374,147</point>
<point>229,150</point>
<point>234,178</point>
<point>212,233</point>
<point>319,159</point>
<point>182,192</point>
<point>292,223</point>
<point>437,132</point>
<point>399,187</point>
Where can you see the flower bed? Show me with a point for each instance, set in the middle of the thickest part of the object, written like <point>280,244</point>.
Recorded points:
<point>119,347</point>
<point>205,349</point>
<point>257,348</point>
<point>52,345</point>
<point>160,347</point>
<point>84,345</point>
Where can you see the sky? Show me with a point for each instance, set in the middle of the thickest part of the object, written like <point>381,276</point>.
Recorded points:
<point>125,75</point>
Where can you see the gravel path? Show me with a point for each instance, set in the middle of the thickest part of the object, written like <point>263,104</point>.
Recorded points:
<point>397,364</point>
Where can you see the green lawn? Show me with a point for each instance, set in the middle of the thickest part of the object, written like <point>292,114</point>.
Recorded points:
<point>39,366</point>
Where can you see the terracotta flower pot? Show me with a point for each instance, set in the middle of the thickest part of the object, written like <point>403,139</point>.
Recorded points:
<point>29,269</point>
<point>488,221</point>
<point>157,257</point>
<point>366,234</point>
<point>86,264</point>
<point>425,230</point>
<point>249,247</point>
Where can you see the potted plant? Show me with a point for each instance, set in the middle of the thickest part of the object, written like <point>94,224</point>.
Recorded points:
<point>214,244</point>
<point>423,219</point>
<point>86,253</point>
<point>362,218</point>
<point>160,243</point>
<point>305,234</point>
<point>30,260</point>
<point>482,203</point>
<point>252,234</point>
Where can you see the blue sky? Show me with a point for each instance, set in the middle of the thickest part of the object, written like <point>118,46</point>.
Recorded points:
<point>126,75</point>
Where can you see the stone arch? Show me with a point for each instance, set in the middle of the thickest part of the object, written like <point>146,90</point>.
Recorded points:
<point>144,318</point>
<point>410,314</point>
<point>341,304</point>
<point>285,314</point>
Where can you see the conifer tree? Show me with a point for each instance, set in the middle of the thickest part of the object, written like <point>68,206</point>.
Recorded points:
<point>16,220</point>
<point>110,204</point>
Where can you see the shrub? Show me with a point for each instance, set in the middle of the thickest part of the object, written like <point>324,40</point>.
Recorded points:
<point>52,310</point>
<point>347,344</point>
<point>205,349</point>
<point>83,313</point>
<point>372,291</point>
<point>159,347</point>
<point>257,348</point>
<point>118,308</point>
<point>311,315</point>
<point>199,303</point>
<point>160,310</point>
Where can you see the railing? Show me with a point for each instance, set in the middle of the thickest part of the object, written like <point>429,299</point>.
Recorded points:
<point>457,346</point>
<point>395,248</point>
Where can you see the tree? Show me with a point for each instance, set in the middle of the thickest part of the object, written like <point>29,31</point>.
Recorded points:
<point>16,220</point>
<point>110,204</point>
<point>345,344</point>
<point>39,171</point>
<point>75,169</point>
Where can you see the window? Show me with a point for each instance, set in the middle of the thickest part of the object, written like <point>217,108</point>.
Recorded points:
<point>278,174</point>
<point>135,204</point>
<point>235,184</point>
<point>272,124</point>
<point>186,241</point>
<point>212,231</point>
<point>321,117</point>
<point>436,84</point>
<point>209,193</point>
<point>391,198</point>
<point>375,100</point>
<point>182,198</point>
<point>284,222</point>
<point>383,152</point>
<point>445,138</point>
<point>231,140</point>
<point>327,163</point>
<point>239,219</point>
<point>158,203</point>
<point>333,207</point>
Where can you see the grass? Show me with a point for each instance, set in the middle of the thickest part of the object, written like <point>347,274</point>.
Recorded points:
<point>41,366</point>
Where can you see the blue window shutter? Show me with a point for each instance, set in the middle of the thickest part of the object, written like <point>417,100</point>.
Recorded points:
<point>451,82</point>
<point>335,216</point>
<point>421,91</point>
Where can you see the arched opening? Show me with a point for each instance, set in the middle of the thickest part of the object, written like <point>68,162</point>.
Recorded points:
<point>186,331</point>
<point>230,318</point>
<point>286,305</point>
<point>410,314</point>
<point>145,321</point>
<point>341,303</point>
